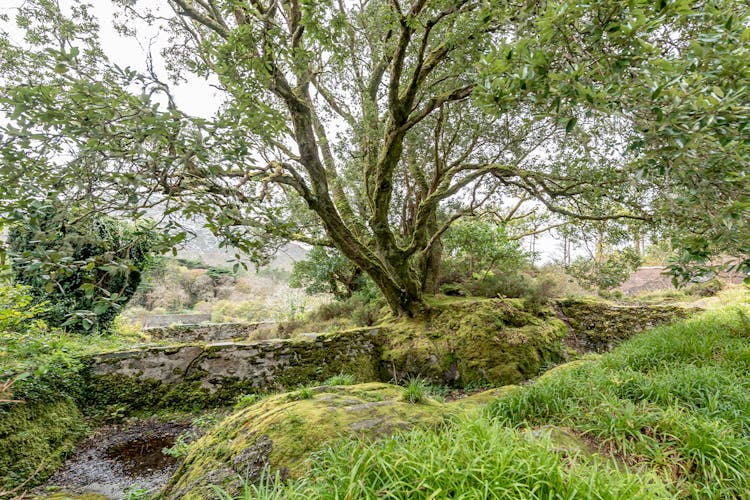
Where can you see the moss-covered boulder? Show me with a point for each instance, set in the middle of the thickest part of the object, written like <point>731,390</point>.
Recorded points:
<point>467,341</point>
<point>281,431</point>
<point>34,439</point>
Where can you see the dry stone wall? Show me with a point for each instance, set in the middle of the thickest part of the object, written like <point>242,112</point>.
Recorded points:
<point>200,374</point>
<point>209,332</point>
<point>500,345</point>
<point>597,326</point>
<point>159,320</point>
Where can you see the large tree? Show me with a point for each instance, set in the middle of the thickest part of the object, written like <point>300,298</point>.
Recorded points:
<point>369,126</point>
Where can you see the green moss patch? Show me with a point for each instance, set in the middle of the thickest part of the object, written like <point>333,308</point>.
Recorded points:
<point>461,342</point>
<point>194,376</point>
<point>34,439</point>
<point>280,433</point>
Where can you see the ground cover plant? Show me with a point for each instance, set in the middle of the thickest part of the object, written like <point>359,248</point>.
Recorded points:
<point>41,376</point>
<point>664,415</point>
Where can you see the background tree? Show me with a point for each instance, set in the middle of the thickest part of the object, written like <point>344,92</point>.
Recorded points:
<point>477,248</point>
<point>347,125</point>
<point>327,271</point>
<point>607,271</point>
<point>82,273</point>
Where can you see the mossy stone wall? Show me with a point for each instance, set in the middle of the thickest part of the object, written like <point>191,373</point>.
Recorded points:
<point>597,325</point>
<point>459,342</point>
<point>199,375</point>
<point>210,332</point>
<point>34,439</point>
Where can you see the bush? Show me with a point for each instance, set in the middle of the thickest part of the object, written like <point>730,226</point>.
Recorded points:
<point>534,287</point>
<point>474,249</point>
<point>17,308</point>
<point>361,309</point>
<point>85,269</point>
<point>225,311</point>
<point>605,274</point>
<point>326,270</point>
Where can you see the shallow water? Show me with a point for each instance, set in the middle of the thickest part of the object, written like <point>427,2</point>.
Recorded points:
<point>118,460</point>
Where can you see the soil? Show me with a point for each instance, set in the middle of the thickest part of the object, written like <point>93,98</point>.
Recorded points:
<point>119,460</point>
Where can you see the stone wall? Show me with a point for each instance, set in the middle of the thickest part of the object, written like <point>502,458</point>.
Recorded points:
<point>210,332</point>
<point>158,320</point>
<point>484,341</point>
<point>194,375</point>
<point>597,326</point>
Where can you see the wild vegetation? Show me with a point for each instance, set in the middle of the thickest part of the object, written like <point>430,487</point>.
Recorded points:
<point>418,150</point>
<point>372,128</point>
<point>664,415</point>
<point>80,275</point>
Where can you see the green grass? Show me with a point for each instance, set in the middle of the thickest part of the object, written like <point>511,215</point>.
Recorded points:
<point>675,401</point>
<point>469,459</point>
<point>415,390</point>
<point>665,415</point>
<point>341,379</point>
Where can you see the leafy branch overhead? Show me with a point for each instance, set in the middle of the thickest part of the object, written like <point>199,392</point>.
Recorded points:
<point>373,126</point>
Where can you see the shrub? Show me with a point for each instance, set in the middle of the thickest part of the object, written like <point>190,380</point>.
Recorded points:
<point>476,248</point>
<point>326,270</point>
<point>17,308</point>
<point>360,309</point>
<point>86,269</point>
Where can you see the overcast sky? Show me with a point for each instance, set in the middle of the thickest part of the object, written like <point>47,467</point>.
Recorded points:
<point>196,97</point>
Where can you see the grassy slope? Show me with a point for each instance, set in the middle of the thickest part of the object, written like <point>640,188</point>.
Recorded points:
<point>667,414</point>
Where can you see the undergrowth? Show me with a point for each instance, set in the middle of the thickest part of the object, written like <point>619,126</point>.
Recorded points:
<point>665,415</point>
<point>675,401</point>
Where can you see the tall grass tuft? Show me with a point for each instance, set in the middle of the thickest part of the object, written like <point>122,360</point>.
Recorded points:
<point>415,390</point>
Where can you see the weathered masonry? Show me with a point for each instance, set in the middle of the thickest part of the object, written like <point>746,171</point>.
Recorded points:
<point>207,373</point>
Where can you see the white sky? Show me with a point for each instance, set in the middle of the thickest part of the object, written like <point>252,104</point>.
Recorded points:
<point>196,97</point>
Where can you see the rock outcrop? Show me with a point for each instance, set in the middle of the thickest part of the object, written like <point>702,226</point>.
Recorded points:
<point>276,435</point>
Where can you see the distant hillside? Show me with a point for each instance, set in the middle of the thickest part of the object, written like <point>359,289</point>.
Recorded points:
<point>205,246</point>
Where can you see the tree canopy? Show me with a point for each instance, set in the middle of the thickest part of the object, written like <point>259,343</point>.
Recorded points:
<point>372,126</point>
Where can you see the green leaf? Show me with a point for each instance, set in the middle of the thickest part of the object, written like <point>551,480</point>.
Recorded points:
<point>571,123</point>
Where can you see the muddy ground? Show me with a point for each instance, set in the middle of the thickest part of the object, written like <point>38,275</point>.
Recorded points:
<point>118,461</point>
